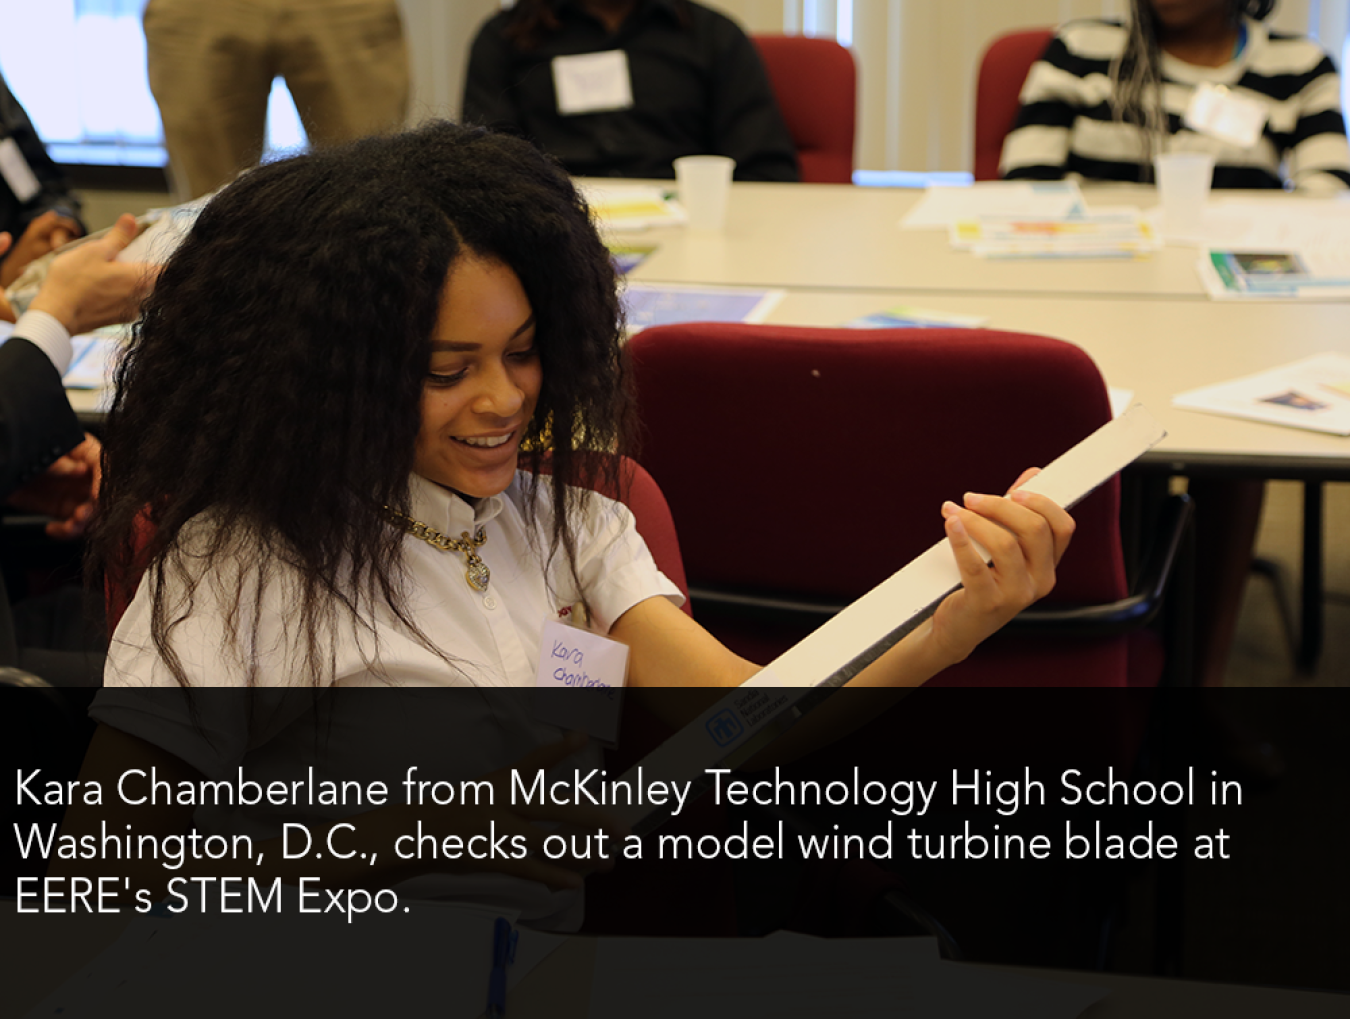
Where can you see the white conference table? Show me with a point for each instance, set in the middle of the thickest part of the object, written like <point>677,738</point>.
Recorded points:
<point>840,252</point>
<point>838,236</point>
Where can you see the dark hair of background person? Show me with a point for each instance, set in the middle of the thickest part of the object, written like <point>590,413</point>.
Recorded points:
<point>533,20</point>
<point>275,379</point>
<point>1136,77</point>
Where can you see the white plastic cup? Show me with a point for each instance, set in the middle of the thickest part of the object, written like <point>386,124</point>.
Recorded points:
<point>1183,186</point>
<point>704,183</point>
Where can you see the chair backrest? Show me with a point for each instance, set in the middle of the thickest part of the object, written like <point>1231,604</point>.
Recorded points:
<point>816,86</point>
<point>1003,69</point>
<point>812,463</point>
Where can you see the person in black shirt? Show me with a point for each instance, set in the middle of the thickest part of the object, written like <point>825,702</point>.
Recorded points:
<point>36,206</point>
<point>688,81</point>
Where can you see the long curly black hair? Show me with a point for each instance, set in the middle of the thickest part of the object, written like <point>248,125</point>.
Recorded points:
<point>1136,76</point>
<point>274,380</point>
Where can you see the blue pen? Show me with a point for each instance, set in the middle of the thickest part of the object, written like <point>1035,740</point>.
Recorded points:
<point>503,954</point>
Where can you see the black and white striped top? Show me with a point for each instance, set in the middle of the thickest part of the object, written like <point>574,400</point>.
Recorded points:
<point>1066,127</point>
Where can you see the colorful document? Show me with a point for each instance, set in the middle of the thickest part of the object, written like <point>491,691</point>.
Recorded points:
<point>1104,233</point>
<point>1313,393</point>
<point>905,316</point>
<point>650,304</point>
<point>627,257</point>
<point>631,206</point>
<point>940,207</point>
<point>1275,275</point>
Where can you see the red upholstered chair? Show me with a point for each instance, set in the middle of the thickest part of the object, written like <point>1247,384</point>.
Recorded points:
<point>816,87</point>
<point>804,466</point>
<point>1003,69</point>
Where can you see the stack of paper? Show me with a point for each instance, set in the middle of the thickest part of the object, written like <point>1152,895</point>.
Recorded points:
<point>632,206</point>
<point>941,207</point>
<point>1105,233</point>
<point>1266,275</point>
<point>1313,393</point>
<point>1277,248</point>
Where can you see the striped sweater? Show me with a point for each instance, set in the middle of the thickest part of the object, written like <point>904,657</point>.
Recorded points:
<point>1066,127</point>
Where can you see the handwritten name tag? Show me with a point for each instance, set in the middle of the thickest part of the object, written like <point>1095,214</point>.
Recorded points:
<point>592,82</point>
<point>579,681</point>
<point>1234,119</point>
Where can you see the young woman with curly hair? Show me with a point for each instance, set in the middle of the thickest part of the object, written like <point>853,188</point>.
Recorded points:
<point>351,350</point>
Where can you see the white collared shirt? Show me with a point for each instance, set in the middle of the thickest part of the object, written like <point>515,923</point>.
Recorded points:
<point>492,636</point>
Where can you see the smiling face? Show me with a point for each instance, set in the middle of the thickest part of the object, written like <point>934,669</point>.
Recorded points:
<point>482,383</point>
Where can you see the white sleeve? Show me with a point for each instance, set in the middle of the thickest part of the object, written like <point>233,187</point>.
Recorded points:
<point>614,565</point>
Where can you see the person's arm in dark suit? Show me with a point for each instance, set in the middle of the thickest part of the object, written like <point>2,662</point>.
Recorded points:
<point>44,220</point>
<point>37,425</point>
<point>55,194</point>
<point>47,464</point>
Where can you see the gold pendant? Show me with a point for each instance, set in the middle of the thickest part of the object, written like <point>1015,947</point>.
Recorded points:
<point>477,573</point>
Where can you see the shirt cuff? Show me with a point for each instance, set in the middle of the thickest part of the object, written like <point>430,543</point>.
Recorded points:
<point>47,334</point>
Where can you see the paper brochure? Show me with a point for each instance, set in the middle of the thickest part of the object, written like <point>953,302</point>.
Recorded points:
<point>652,304</point>
<point>942,206</point>
<point>1101,233</point>
<point>906,316</point>
<point>1313,393</point>
<point>1270,275</point>
<point>736,725</point>
<point>631,206</point>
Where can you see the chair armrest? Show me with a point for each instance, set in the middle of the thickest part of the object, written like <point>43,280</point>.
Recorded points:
<point>1136,610</point>
<point>17,678</point>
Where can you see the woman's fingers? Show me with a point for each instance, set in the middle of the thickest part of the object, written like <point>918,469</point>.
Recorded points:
<point>975,573</point>
<point>1061,523</point>
<point>1056,516</point>
<point>1025,536</point>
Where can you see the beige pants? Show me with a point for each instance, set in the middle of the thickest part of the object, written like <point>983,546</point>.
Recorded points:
<point>211,65</point>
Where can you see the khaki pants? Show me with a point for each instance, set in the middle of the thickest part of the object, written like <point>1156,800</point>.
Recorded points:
<point>211,65</point>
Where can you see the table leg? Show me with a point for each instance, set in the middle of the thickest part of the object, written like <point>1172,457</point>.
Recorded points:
<point>1310,628</point>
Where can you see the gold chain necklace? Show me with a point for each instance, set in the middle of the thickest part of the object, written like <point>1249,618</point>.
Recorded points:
<point>476,572</point>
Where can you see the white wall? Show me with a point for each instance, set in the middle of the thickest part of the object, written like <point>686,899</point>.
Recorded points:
<point>439,33</point>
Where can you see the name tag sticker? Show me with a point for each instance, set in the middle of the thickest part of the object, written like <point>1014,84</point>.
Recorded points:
<point>579,681</point>
<point>592,82</point>
<point>14,168</point>
<point>1217,112</point>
